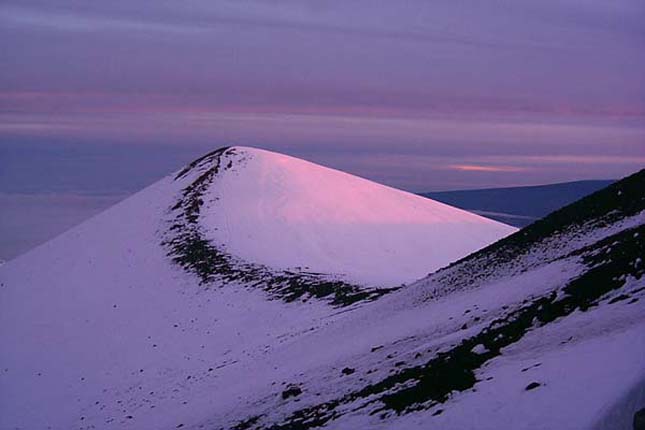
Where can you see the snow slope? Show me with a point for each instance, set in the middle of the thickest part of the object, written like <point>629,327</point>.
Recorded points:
<point>541,330</point>
<point>132,319</point>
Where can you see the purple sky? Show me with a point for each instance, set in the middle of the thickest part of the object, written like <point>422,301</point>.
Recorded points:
<point>420,95</point>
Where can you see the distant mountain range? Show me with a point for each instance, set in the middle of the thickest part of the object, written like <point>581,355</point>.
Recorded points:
<point>519,206</point>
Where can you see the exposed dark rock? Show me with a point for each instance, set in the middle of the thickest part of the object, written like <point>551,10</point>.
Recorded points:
<point>619,298</point>
<point>639,419</point>
<point>291,391</point>
<point>532,386</point>
<point>246,424</point>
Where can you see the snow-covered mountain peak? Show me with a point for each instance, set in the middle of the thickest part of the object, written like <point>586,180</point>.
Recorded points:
<point>289,214</point>
<point>298,191</point>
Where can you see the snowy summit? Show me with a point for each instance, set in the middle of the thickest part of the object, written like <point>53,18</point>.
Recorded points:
<point>290,214</point>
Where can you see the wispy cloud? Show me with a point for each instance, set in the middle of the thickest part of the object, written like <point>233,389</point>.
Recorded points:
<point>417,94</point>
<point>73,22</point>
<point>275,18</point>
<point>480,168</point>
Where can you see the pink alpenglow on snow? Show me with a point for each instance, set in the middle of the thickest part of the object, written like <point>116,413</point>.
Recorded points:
<point>288,213</point>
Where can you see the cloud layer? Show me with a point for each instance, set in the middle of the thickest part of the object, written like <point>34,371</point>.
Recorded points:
<point>365,84</point>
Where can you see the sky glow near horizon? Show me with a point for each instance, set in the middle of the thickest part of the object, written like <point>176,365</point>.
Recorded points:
<point>419,95</point>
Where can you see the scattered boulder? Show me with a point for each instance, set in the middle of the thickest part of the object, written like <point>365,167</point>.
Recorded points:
<point>532,386</point>
<point>291,391</point>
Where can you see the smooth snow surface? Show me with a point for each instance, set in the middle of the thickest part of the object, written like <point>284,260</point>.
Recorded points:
<point>288,213</point>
